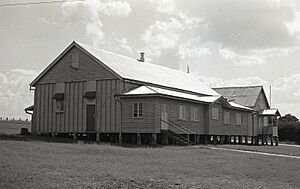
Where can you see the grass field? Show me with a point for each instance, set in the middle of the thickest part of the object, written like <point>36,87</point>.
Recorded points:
<point>281,149</point>
<point>58,165</point>
<point>9,128</point>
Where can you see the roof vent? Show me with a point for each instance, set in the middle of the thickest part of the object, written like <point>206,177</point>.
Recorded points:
<point>142,57</point>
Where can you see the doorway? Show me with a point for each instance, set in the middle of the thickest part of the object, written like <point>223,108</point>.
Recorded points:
<point>90,118</point>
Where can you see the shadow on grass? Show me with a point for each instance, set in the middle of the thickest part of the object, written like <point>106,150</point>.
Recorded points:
<point>30,138</point>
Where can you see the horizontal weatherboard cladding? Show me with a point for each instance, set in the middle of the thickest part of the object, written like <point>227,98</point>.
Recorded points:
<point>88,69</point>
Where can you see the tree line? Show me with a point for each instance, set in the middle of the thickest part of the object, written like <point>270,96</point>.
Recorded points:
<point>289,128</point>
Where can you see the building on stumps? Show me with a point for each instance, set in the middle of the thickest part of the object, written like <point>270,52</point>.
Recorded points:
<point>110,97</point>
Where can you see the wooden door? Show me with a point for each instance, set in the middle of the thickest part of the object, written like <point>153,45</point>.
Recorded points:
<point>90,118</point>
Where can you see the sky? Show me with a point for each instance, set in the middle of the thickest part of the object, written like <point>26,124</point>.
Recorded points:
<point>224,42</point>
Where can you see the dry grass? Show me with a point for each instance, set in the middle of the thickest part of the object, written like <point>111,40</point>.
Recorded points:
<point>285,150</point>
<point>56,165</point>
<point>10,128</point>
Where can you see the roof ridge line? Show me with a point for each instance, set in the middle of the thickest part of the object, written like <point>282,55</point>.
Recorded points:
<point>238,87</point>
<point>117,54</point>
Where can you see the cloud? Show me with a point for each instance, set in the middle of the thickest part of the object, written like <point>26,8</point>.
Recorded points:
<point>166,33</point>
<point>117,8</point>
<point>250,32</point>
<point>165,6</point>
<point>162,35</point>
<point>294,25</point>
<point>189,49</point>
<point>287,88</point>
<point>241,60</point>
<point>248,24</point>
<point>14,92</point>
<point>123,45</point>
<point>90,13</point>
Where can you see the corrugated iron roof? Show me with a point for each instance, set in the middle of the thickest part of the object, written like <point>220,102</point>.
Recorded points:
<point>149,90</point>
<point>245,96</point>
<point>236,105</point>
<point>132,69</point>
<point>273,112</point>
<point>144,90</point>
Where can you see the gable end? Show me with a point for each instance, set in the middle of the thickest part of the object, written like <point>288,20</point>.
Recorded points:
<point>62,68</point>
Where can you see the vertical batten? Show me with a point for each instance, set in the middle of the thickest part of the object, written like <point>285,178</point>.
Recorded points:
<point>58,122</point>
<point>83,108</point>
<point>79,128</point>
<point>50,111</point>
<point>75,102</point>
<point>118,108</point>
<point>103,106</point>
<point>98,101</point>
<point>67,105</point>
<point>99,96</point>
<point>71,107</point>
<point>55,129</point>
<point>112,103</point>
<point>108,106</point>
<point>46,93</point>
<point>42,105</point>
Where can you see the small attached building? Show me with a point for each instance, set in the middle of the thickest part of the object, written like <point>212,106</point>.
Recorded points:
<point>88,91</point>
<point>265,120</point>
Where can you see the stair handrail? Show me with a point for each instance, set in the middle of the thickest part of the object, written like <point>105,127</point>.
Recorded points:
<point>181,129</point>
<point>188,131</point>
<point>174,126</point>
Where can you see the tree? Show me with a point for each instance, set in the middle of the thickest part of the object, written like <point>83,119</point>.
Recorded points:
<point>289,118</point>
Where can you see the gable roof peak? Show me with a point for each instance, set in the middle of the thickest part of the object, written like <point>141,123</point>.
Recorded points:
<point>248,86</point>
<point>131,69</point>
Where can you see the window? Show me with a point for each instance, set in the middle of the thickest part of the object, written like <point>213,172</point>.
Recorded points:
<point>75,60</point>
<point>183,114</point>
<point>90,89</point>
<point>164,108</point>
<point>238,119</point>
<point>226,117</point>
<point>137,109</point>
<point>195,114</point>
<point>60,105</point>
<point>59,97</point>
<point>215,113</point>
<point>266,121</point>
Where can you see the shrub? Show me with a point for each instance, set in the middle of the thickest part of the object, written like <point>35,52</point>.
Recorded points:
<point>289,131</point>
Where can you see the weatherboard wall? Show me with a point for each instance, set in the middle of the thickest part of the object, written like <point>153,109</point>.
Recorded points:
<point>261,102</point>
<point>73,119</point>
<point>173,114</point>
<point>144,124</point>
<point>217,126</point>
<point>88,69</point>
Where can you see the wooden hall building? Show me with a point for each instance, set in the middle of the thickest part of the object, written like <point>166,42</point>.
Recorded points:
<point>89,91</point>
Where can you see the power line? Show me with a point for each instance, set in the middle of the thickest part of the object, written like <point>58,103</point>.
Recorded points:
<point>37,3</point>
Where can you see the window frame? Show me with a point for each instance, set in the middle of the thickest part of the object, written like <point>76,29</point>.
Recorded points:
<point>137,110</point>
<point>194,114</point>
<point>59,106</point>
<point>183,113</point>
<point>265,121</point>
<point>60,102</point>
<point>228,120</point>
<point>213,116</point>
<point>236,119</point>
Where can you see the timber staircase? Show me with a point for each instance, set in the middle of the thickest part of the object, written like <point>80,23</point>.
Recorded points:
<point>178,133</point>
